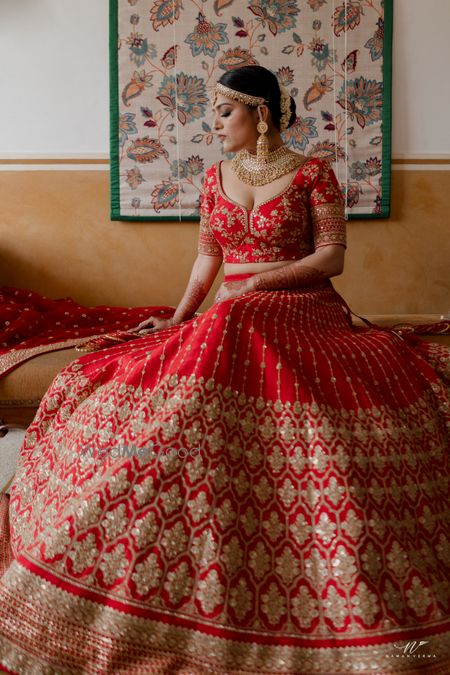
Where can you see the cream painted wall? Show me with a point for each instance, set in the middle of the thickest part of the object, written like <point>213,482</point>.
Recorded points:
<point>54,77</point>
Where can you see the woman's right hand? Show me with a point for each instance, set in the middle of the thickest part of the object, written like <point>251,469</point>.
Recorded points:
<point>154,323</point>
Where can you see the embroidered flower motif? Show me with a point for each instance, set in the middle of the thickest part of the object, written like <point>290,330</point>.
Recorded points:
<point>179,584</point>
<point>136,86</point>
<point>353,192</point>
<point>241,599</point>
<point>113,564</point>
<point>191,95</point>
<point>145,150</point>
<point>365,604</point>
<point>347,17</point>
<point>305,607</point>
<point>126,127</point>
<point>211,592</point>
<point>364,100</point>
<point>273,604</point>
<point>280,15</point>
<point>179,169</point>
<point>207,37</point>
<point>236,58</point>
<point>140,49</point>
<point>321,54</point>
<point>182,168</point>
<point>358,171</point>
<point>165,195</point>
<point>373,166</point>
<point>375,44</point>
<point>134,178</point>
<point>164,13</point>
<point>327,150</point>
<point>285,76</point>
<point>316,4</point>
<point>298,135</point>
<point>321,85</point>
<point>147,575</point>
<point>195,165</point>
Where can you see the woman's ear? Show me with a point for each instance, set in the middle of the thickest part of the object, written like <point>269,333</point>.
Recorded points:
<point>263,113</point>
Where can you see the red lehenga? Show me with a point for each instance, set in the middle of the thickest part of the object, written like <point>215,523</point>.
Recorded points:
<point>260,489</point>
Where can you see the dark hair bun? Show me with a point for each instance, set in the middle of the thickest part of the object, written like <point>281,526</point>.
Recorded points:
<point>293,116</point>
<point>258,81</point>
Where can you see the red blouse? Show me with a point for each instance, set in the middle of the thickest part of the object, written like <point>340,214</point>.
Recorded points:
<point>307,214</point>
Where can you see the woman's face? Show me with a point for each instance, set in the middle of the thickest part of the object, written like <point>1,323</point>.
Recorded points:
<point>235,124</point>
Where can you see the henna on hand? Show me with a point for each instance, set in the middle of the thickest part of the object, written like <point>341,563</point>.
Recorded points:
<point>191,301</point>
<point>230,289</point>
<point>286,277</point>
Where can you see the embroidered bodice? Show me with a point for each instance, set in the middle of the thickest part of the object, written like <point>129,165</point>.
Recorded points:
<point>307,214</point>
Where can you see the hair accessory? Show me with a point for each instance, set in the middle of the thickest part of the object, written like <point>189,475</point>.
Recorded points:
<point>285,107</point>
<point>237,96</point>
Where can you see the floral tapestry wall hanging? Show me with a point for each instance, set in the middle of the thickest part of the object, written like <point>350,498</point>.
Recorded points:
<point>334,57</point>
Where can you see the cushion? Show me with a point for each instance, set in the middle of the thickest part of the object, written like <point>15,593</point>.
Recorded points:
<point>22,389</point>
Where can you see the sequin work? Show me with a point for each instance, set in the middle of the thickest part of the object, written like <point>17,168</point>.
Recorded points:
<point>308,214</point>
<point>290,513</point>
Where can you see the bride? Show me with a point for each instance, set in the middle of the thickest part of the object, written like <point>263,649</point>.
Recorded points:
<point>291,511</point>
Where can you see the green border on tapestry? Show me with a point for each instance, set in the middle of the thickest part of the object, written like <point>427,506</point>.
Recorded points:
<point>386,170</point>
<point>114,111</point>
<point>114,125</point>
<point>115,213</point>
<point>387,109</point>
<point>385,208</point>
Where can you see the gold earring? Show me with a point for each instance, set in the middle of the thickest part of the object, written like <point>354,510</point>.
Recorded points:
<point>262,144</point>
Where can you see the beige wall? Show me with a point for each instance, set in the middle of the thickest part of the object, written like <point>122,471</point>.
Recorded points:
<point>56,238</point>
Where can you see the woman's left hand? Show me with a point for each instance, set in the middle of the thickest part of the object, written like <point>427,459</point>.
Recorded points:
<point>232,289</point>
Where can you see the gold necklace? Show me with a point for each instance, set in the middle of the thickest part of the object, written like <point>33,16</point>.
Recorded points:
<point>253,170</point>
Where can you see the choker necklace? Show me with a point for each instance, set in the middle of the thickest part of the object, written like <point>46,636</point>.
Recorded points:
<point>253,170</point>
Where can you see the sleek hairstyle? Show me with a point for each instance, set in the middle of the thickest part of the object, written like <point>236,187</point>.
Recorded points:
<point>258,81</point>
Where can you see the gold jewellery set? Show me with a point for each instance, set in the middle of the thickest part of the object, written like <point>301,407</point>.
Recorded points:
<point>265,166</point>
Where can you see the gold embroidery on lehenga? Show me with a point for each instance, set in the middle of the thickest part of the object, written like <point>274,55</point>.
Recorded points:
<point>114,564</point>
<point>418,597</point>
<point>365,604</point>
<point>147,575</point>
<point>241,600</point>
<point>83,553</point>
<point>304,607</point>
<point>287,567</point>
<point>249,522</point>
<point>204,548</point>
<point>335,607</point>
<point>274,539</point>
<point>273,527</point>
<point>198,507</point>
<point>211,592</point>
<point>115,522</point>
<point>175,541</point>
<point>144,491</point>
<point>145,530</point>
<point>273,604</point>
<point>259,561</point>
<point>179,583</point>
<point>171,499</point>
